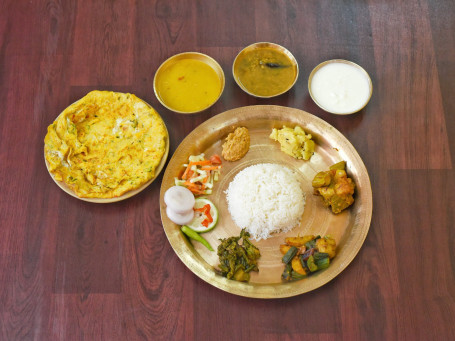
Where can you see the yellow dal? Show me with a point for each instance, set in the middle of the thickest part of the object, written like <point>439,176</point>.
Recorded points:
<point>257,78</point>
<point>188,85</point>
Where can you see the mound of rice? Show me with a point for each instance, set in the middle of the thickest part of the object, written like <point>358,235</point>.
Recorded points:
<point>265,199</point>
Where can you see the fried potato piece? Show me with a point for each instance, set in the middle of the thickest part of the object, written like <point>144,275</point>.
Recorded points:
<point>284,248</point>
<point>298,241</point>
<point>326,245</point>
<point>297,266</point>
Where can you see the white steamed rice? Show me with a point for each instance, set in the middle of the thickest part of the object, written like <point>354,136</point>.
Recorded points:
<point>265,198</point>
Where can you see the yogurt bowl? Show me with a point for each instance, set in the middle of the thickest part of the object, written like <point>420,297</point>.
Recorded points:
<point>340,87</point>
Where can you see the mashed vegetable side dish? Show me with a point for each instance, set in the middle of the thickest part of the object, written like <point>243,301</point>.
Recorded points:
<point>265,199</point>
<point>294,142</point>
<point>105,144</point>
<point>237,144</point>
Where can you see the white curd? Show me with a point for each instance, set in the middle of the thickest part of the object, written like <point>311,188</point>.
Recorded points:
<point>340,88</point>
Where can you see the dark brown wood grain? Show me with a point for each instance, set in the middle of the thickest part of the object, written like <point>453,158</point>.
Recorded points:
<point>71,270</point>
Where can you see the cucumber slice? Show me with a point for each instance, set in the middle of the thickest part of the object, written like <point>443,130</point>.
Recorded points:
<point>199,217</point>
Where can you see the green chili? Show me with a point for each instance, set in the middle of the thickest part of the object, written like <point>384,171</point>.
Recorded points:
<point>194,235</point>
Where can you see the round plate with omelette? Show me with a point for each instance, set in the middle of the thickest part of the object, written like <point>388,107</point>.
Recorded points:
<point>106,147</point>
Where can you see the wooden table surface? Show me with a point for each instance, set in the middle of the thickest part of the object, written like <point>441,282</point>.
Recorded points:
<point>71,270</point>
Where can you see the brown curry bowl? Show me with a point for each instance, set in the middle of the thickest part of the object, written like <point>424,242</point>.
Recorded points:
<point>265,45</point>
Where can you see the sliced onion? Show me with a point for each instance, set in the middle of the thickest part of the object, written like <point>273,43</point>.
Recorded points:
<point>180,199</point>
<point>180,218</point>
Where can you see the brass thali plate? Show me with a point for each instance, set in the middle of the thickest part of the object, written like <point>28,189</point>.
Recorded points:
<point>348,228</point>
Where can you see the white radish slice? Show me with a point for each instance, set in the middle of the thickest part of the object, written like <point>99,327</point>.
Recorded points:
<point>180,199</point>
<point>180,218</point>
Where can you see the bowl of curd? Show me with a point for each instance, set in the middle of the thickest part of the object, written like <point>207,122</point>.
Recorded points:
<point>340,87</point>
<point>189,82</point>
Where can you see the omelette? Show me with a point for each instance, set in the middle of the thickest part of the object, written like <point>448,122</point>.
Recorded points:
<point>105,144</point>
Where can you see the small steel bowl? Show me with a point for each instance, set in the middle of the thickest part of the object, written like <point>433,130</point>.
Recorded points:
<point>189,55</point>
<point>261,45</point>
<point>317,68</point>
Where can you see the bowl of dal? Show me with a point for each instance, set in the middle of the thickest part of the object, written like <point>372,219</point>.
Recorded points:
<point>189,82</point>
<point>265,70</point>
